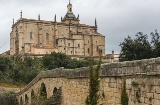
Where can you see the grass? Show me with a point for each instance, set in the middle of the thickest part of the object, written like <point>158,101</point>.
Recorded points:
<point>12,85</point>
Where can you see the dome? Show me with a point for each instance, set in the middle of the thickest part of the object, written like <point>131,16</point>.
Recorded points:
<point>69,15</point>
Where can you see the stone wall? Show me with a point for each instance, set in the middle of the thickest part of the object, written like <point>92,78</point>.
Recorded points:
<point>142,82</point>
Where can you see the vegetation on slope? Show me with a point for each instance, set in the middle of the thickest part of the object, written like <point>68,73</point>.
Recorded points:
<point>8,99</point>
<point>21,70</point>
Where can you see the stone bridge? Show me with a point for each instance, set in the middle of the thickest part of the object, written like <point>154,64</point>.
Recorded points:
<point>70,87</point>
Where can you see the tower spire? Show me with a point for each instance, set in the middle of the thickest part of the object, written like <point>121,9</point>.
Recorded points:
<point>55,18</point>
<point>69,2</point>
<point>95,22</point>
<point>78,16</point>
<point>95,25</point>
<point>61,18</point>
<point>21,14</point>
<point>39,17</point>
<point>13,21</point>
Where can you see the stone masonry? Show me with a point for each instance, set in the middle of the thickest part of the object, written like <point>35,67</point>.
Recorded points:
<point>142,82</point>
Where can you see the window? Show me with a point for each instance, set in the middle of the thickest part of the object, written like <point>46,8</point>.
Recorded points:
<point>68,44</point>
<point>100,51</point>
<point>31,37</point>
<point>47,36</point>
<point>88,50</point>
<point>70,9</point>
<point>71,52</point>
<point>78,45</point>
<point>56,41</point>
<point>97,49</point>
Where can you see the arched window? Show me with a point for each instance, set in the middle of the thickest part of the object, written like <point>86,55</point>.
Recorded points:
<point>47,36</point>
<point>31,37</point>
<point>88,50</point>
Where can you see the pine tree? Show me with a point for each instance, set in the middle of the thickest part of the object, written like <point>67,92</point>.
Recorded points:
<point>124,95</point>
<point>94,84</point>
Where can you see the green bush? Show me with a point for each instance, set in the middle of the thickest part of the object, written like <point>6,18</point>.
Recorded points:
<point>56,60</point>
<point>8,99</point>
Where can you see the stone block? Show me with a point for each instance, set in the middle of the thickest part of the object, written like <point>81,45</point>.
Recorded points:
<point>157,89</point>
<point>128,81</point>
<point>156,96</point>
<point>114,85</point>
<point>128,86</point>
<point>107,80</point>
<point>119,85</point>
<point>143,94</point>
<point>156,102</point>
<point>150,95</point>
<point>113,80</point>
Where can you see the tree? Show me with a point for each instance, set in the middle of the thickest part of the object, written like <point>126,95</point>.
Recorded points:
<point>56,60</point>
<point>135,49</point>
<point>94,84</point>
<point>127,49</point>
<point>124,95</point>
<point>5,63</point>
<point>155,43</point>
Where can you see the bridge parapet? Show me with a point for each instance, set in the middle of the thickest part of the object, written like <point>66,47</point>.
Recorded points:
<point>146,67</point>
<point>127,68</point>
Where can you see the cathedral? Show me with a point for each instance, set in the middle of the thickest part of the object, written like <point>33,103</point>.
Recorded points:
<point>69,36</point>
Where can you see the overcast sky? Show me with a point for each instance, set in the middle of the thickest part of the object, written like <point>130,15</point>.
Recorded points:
<point>116,19</point>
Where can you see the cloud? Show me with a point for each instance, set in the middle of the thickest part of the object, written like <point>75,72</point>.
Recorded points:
<point>116,19</point>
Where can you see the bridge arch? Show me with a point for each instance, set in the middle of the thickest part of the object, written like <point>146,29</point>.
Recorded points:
<point>54,90</point>
<point>33,96</point>
<point>43,92</point>
<point>21,101</point>
<point>26,100</point>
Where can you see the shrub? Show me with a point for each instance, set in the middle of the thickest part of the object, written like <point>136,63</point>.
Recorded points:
<point>8,99</point>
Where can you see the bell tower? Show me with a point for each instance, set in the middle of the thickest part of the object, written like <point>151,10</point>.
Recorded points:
<point>69,6</point>
<point>70,17</point>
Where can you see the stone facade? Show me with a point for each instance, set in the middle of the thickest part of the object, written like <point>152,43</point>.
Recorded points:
<point>31,36</point>
<point>142,84</point>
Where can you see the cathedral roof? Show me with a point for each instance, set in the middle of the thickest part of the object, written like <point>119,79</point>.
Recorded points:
<point>69,15</point>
